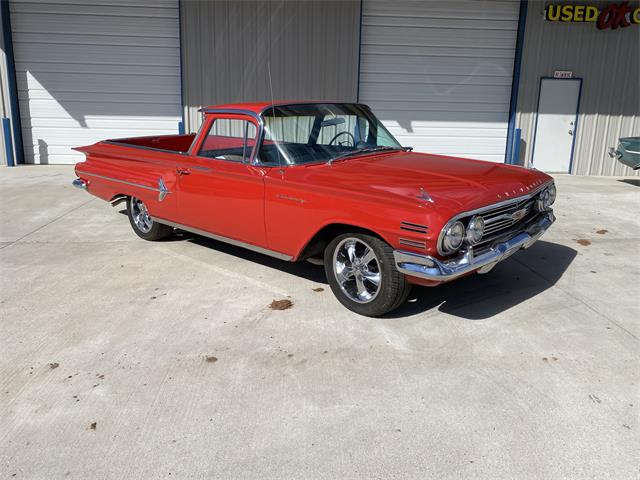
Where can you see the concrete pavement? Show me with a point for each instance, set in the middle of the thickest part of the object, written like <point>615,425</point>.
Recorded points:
<point>121,358</point>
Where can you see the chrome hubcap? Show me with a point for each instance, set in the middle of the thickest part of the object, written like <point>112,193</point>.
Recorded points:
<point>357,270</point>
<point>141,215</point>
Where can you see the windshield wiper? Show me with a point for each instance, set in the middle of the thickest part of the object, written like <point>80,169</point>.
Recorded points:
<point>359,151</point>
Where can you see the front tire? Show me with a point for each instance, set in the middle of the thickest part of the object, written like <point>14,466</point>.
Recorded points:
<point>361,272</point>
<point>142,223</point>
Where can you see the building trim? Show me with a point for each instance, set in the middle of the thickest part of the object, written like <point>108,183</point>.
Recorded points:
<point>181,124</point>
<point>359,54</point>
<point>515,83</point>
<point>12,84</point>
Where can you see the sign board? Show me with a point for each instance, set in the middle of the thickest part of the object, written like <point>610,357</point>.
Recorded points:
<point>562,74</point>
<point>616,15</point>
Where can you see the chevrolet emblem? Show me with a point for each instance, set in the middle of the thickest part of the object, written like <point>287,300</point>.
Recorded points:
<point>518,214</point>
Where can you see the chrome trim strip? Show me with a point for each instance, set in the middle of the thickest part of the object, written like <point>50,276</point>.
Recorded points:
<point>469,213</point>
<point>414,227</point>
<point>412,243</point>
<point>220,238</point>
<point>292,199</point>
<point>162,189</point>
<point>236,111</point>
<point>431,268</point>
<point>79,183</point>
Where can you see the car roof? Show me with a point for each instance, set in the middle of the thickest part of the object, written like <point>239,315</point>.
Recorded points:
<point>257,107</point>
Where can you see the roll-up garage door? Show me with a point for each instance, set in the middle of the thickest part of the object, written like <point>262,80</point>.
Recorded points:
<point>438,74</point>
<point>88,71</point>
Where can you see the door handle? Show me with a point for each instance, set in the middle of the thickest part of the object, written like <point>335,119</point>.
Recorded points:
<point>183,171</point>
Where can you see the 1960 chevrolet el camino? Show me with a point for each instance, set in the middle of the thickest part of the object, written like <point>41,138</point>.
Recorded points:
<point>325,181</point>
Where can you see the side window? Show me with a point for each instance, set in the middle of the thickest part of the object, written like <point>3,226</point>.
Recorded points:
<point>229,139</point>
<point>384,138</point>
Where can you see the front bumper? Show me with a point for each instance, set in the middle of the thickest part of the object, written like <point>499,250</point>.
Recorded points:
<point>430,268</point>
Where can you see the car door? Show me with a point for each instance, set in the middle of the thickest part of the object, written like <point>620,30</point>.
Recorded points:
<point>219,190</point>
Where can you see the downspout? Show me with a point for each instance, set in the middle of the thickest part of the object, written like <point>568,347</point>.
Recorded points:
<point>181,124</point>
<point>515,84</point>
<point>359,55</point>
<point>16,126</point>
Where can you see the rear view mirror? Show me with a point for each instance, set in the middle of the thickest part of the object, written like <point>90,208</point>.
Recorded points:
<point>332,122</point>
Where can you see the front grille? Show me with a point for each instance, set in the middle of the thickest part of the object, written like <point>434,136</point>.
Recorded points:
<point>504,221</point>
<point>502,218</point>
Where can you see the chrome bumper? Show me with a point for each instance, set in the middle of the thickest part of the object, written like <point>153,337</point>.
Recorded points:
<point>78,183</point>
<point>431,268</point>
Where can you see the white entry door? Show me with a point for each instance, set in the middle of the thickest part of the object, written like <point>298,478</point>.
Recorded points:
<point>556,124</point>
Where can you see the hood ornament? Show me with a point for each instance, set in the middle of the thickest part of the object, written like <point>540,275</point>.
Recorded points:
<point>424,196</point>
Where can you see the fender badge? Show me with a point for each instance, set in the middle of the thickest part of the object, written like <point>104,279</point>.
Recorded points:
<point>424,196</point>
<point>162,190</point>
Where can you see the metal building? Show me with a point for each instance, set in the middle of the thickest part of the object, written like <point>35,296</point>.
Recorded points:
<point>472,78</point>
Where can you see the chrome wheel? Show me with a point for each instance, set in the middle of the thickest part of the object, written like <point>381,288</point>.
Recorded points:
<point>357,270</point>
<point>140,215</point>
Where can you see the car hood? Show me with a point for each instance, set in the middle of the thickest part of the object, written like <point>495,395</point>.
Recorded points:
<point>459,183</point>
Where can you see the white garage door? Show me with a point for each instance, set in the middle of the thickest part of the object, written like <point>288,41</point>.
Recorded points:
<point>90,71</point>
<point>438,74</point>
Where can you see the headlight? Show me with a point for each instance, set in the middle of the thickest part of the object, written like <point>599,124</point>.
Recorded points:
<point>552,193</point>
<point>546,198</point>
<point>453,237</point>
<point>475,229</point>
<point>543,200</point>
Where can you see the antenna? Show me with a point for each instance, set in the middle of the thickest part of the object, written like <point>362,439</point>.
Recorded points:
<point>273,110</point>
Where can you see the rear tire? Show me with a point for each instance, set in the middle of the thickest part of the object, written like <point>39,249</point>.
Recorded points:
<point>361,272</point>
<point>142,223</point>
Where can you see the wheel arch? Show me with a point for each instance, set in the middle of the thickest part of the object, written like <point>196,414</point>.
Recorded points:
<point>317,243</point>
<point>118,198</point>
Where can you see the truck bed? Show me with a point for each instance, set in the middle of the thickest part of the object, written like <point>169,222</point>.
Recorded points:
<point>168,143</point>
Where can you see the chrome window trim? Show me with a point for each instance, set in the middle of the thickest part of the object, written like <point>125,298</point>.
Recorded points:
<point>252,160</point>
<point>504,203</point>
<point>231,241</point>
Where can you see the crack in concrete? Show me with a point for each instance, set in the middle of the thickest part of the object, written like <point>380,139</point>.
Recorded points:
<point>47,224</point>
<point>581,300</point>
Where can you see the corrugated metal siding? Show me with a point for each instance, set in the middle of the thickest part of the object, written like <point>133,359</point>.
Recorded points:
<point>89,71</point>
<point>609,63</point>
<point>312,47</point>
<point>438,74</point>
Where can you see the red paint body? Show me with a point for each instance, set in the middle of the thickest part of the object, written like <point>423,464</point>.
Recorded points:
<point>282,208</point>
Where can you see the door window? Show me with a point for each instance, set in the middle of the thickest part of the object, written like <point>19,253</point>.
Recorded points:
<point>229,139</point>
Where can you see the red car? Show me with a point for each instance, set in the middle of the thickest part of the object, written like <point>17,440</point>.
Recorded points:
<point>326,182</point>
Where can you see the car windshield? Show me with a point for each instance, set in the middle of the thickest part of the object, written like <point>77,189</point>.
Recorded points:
<point>321,132</point>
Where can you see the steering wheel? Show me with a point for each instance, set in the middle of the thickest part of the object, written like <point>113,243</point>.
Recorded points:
<point>353,139</point>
